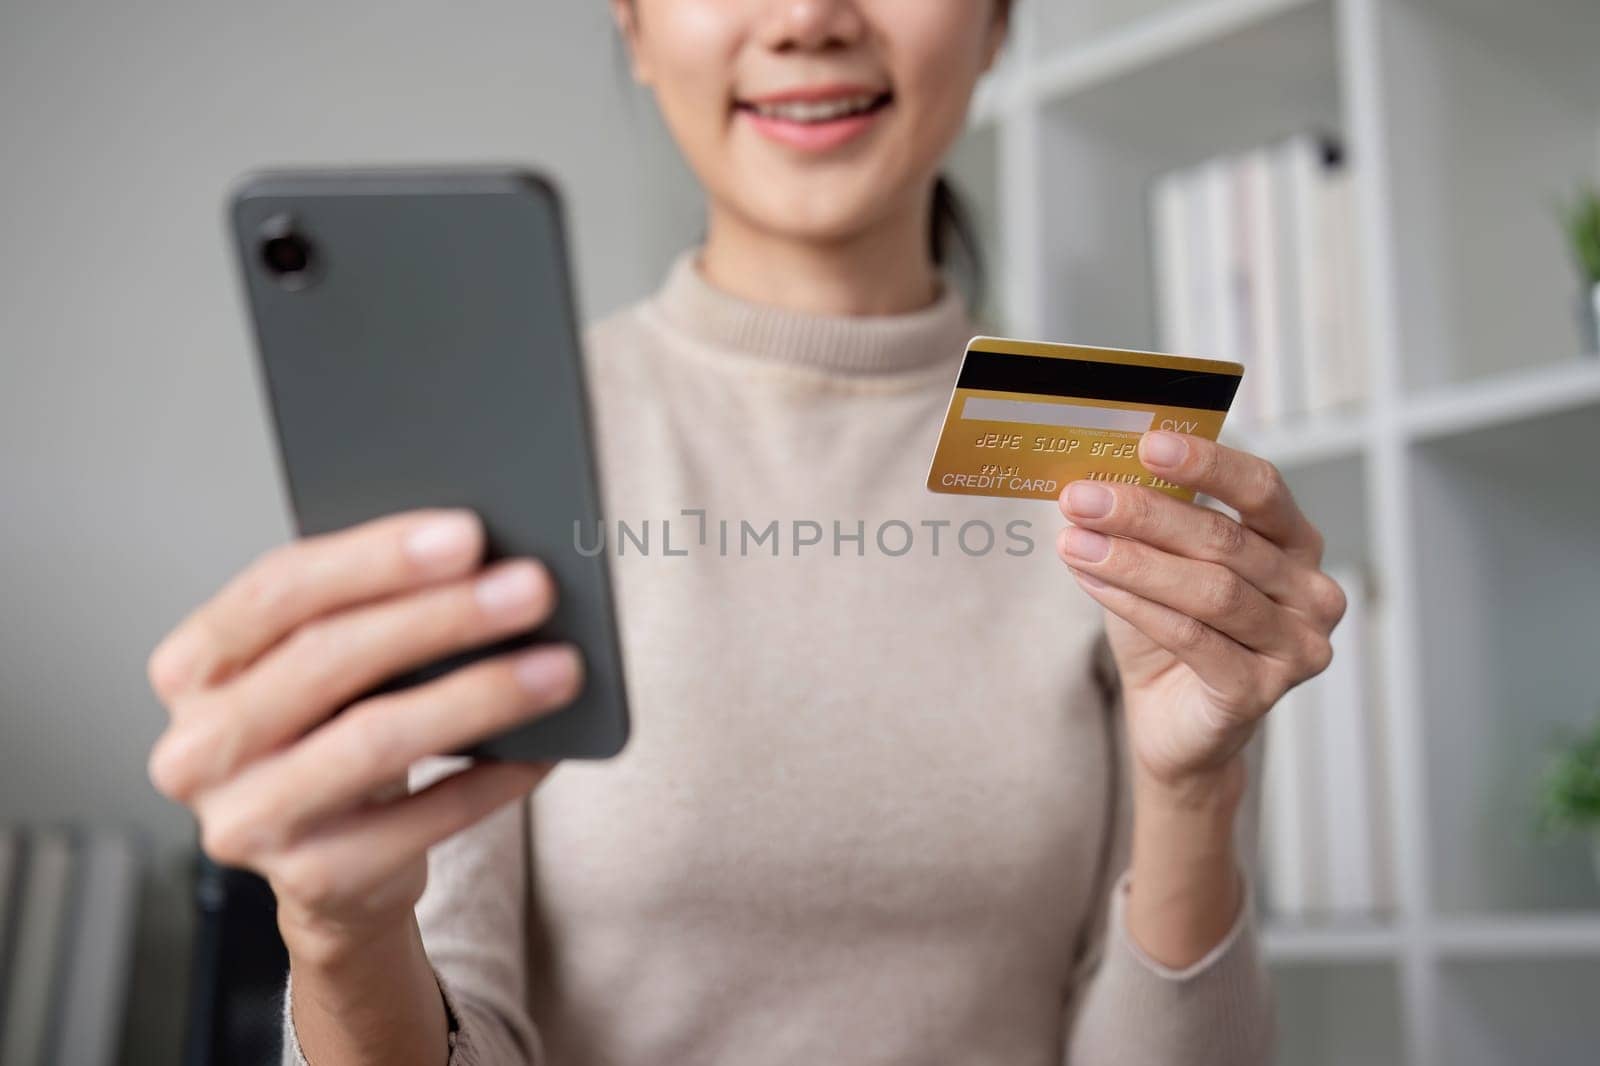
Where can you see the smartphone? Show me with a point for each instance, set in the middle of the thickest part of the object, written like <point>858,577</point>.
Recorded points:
<point>419,347</point>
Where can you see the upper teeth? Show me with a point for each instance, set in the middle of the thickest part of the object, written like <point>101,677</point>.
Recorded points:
<point>816,110</point>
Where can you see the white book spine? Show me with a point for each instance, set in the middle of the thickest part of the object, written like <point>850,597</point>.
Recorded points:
<point>1217,184</point>
<point>1313,771</point>
<point>99,953</point>
<point>1241,270</point>
<point>1349,385</point>
<point>1265,286</point>
<point>1347,753</point>
<point>1284,828</point>
<point>1300,175</point>
<point>1378,735</point>
<point>31,990</point>
<point>10,869</point>
<point>1170,257</point>
<point>1197,247</point>
<point>1325,318</point>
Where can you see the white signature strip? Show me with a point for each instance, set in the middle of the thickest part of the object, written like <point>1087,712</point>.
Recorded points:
<point>988,409</point>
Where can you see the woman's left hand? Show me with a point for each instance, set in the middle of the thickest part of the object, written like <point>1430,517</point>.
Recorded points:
<point>1210,620</point>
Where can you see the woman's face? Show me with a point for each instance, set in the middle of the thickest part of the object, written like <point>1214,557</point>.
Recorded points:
<point>813,118</point>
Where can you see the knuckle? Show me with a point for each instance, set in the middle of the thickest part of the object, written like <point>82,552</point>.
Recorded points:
<point>1269,689</point>
<point>1128,562</point>
<point>1270,486</point>
<point>1318,654</point>
<point>1208,463</point>
<point>1329,598</point>
<point>1225,538</point>
<point>1132,508</point>
<point>440,620</point>
<point>317,650</point>
<point>1189,633</point>
<point>1224,594</point>
<point>1315,542</point>
<point>309,881</point>
<point>267,584</point>
<point>375,747</point>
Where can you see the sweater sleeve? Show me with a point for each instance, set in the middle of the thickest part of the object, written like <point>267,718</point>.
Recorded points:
<point>473,916</point>
<point>1129,1009</point>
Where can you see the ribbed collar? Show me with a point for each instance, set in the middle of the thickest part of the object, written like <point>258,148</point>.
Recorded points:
<point>847,344</point>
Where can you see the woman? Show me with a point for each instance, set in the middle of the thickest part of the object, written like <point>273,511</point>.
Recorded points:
<point>907,797</point>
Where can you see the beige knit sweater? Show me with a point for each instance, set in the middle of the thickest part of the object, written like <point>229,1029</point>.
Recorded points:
<point>874,807</point>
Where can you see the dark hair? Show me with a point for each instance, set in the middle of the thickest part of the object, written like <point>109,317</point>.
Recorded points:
<point>954,242</point>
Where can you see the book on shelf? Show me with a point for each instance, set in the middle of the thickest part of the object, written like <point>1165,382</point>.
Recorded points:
<point>1324,850</point>
<point>34,967</point>
<point>1255,261</point>
<point>98,951</point>
<point>10,871</point>
<point>70,913</point>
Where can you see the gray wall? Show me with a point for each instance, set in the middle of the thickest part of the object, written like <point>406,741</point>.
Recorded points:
<point>138,470</point>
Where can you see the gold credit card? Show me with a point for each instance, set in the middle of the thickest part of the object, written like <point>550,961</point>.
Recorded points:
<point>1027,418</point>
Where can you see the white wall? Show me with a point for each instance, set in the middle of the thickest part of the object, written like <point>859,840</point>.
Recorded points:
<point>138,469</point>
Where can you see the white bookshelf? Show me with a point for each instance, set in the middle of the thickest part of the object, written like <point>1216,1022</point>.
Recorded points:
<point>1463,119</point>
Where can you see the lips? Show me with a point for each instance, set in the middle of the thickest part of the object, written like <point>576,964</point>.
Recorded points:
<point>815,119</point>
<point>810,112</point>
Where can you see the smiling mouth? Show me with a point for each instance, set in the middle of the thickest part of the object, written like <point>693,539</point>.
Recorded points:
<point>817,112</point>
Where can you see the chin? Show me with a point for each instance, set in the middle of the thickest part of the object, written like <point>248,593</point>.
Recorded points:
<point>816,209</point>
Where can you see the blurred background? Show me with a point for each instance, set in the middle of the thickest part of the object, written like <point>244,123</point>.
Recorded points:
<point>1385,208</point>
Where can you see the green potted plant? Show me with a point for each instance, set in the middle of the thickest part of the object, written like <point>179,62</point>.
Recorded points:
<point>1570,792</point>
<point>1580,217</point>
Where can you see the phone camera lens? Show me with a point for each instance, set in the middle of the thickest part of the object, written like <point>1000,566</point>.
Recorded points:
<point>286,253</point>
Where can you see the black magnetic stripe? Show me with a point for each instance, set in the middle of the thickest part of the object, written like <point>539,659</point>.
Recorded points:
<point>1091,380</point>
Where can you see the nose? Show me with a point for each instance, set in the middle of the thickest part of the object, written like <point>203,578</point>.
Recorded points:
<point>811,25</point>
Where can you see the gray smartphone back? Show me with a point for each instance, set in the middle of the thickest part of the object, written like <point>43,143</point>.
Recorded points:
<point>427,355</point>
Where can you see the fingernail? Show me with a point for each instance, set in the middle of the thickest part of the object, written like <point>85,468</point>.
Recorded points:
<point>1089,579</point>
<point>1087,544</point>
<point>1088,499</point>
<point>1162,449</point>
<point>508,589</point>
<point>543,671</point>
<point>443,542</point>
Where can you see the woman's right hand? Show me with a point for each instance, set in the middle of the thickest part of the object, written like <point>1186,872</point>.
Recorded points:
<point>313,800</point>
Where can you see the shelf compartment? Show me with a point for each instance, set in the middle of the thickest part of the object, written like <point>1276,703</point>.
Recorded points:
<point>1338,1015</point>
<point>1089,44</point>
<point>1494,113</point>
<point>1272,75</point>
<point>1506,1013</point>
<point>1508,573</point>
<point>1101,148</point>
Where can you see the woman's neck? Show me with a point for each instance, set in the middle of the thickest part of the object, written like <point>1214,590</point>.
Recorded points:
<point>883,270</point>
